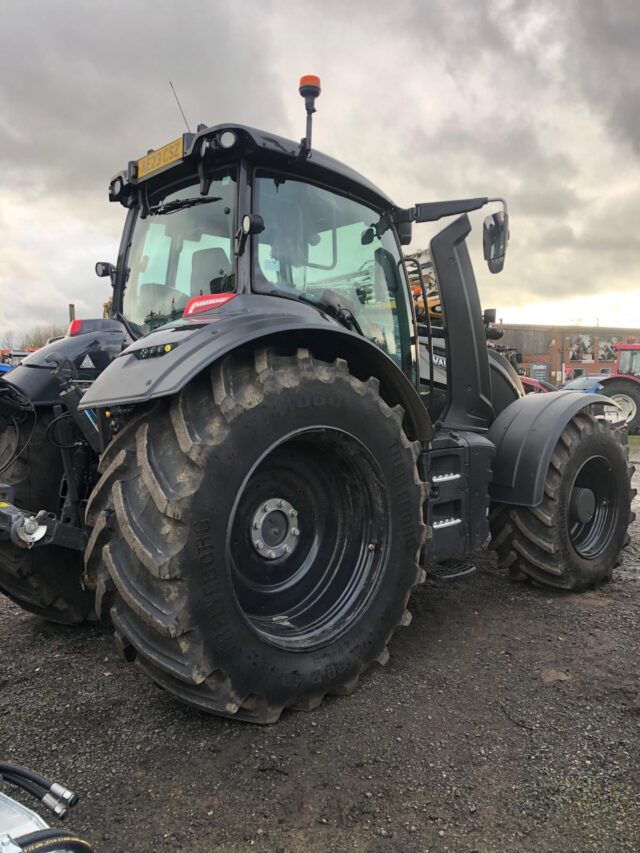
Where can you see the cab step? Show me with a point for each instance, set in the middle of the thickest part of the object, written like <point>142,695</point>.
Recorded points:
<point>451,570</point>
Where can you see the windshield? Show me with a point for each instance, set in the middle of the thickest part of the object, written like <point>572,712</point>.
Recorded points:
<point>183,248</point>
<point>321,247</point>
<point>630,362</point>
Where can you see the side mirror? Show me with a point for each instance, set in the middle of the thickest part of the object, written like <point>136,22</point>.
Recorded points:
<point>518,355</point>
<point>404,230</point>
<point>104,269</point>
<point>489,316</point>
<point>495,237</point>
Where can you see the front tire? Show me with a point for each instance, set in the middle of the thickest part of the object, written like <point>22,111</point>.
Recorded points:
<point>260,533</point>
<point>46,581</point>
<point>573,539</point>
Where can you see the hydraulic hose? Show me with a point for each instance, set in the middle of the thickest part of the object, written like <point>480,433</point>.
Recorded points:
<point>24,772</point>
<point>50,802</point>
<point>53,841</point>
<point>56,790</point>
<point>25,785</point>
<point>57,799</point>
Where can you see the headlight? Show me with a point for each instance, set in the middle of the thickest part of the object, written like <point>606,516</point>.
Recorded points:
<point>227,139</point>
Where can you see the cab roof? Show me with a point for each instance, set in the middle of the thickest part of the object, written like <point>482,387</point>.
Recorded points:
<point>264,149</point>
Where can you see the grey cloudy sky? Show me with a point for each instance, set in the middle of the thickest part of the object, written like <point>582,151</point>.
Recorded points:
<point>536,101</point>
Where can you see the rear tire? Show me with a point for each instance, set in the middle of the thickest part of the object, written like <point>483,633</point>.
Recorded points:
<point>626,392</point>
<point>571,540</point>
<point>256,537</point>
<point>46,581</point>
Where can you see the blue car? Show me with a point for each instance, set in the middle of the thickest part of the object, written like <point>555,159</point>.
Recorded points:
<point>585,384</point>
<point>4,368</point>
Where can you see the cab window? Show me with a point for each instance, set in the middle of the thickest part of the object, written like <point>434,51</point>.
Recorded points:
<point>321,245</point>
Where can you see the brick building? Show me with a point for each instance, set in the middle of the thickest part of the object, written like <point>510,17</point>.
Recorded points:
<point>554,352</point>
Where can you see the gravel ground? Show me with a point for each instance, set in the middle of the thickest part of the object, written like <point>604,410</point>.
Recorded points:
<point>507,719</point>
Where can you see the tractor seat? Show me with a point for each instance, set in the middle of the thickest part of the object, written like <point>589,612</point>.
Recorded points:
<point>210,272</point>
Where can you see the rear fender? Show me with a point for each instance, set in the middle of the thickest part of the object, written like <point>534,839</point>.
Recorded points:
<point>617,377</point>
<point>135,377</point>
<point>525,435</point>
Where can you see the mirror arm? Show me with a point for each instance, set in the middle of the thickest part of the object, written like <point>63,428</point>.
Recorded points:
<point>501,201</point>
<point>434,210</point>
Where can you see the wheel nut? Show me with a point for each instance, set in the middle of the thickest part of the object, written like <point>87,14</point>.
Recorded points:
<point>371,546</point>
<point>259,545</point>
<point>256,526</point>
<point>293,513</point>
<point>272,555</point>
<point>286,549</point>
<point>266,507</point>
<point>295,531</point>
<point>280,503</point>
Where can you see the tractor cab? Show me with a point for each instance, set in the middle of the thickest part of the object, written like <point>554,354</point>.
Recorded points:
<point>186,253</point>
<point>219,219</point>
<point>628,359</point>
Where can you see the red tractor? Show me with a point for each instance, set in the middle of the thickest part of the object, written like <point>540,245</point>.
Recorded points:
<point>623,385</point>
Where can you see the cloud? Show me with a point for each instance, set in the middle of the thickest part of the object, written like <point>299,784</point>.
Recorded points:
<point>536,101</point>
<point>605,60</point>
<point>87,89</point>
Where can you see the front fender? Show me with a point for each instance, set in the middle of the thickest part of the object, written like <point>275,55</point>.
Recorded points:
<point>525,435</point>
<point>135,377</point>
<point>86,354</point>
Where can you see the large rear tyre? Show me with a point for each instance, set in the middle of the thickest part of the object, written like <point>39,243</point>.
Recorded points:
<point>626,393</point>
<point>48,580</point>
<point>256,537</point>
<point>573,539</point>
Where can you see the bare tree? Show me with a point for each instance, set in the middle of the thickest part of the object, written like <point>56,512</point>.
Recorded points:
<point>38,336</point>
<point>7,339</point>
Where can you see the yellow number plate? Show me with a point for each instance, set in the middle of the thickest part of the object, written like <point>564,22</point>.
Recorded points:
<point>164,156</point>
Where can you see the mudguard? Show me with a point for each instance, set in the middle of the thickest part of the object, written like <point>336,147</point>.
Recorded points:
<point>506,385</point>
<point>87,355</point>
<point>525,434</point>
<point>162,363</point>
<point>614,377</point>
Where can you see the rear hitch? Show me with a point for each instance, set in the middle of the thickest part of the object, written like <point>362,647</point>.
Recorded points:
<point>26,530</point>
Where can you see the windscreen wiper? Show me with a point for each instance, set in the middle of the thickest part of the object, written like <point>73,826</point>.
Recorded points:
<point>344,313</point>
<point>180,204</point>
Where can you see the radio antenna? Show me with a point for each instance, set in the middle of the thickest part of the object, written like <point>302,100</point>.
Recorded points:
<point>179,106</point>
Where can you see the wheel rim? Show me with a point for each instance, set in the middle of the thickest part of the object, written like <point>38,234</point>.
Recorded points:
<point>593,508</point>
<point>627,405</point>
<point>319,495</point>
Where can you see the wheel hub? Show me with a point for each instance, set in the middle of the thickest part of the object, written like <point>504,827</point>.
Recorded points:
<point>582,505</point>
<point>274,529</point>
<point>594,507</point>
<point>627,406</point>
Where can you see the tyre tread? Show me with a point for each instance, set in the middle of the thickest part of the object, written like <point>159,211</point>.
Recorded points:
<point>152,470</point>
<point>526,539</point>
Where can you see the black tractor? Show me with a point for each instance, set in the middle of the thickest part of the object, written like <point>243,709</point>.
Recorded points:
<point>250,466</point>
